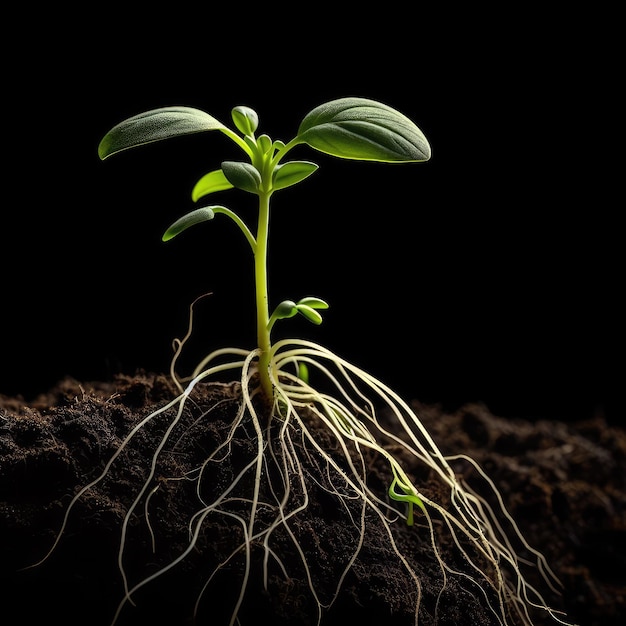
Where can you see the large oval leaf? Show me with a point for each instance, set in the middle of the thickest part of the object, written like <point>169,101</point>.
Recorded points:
<point>363,129</point>
<point>155,125</point>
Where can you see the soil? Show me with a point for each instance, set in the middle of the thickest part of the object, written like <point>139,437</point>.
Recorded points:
<point>564,483</point>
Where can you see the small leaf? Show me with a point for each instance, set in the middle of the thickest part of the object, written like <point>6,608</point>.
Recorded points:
<point>292,172</point>
<point>251,143</point>
<point>265,143</point>
<point>195,217</point>
<point>287,308</point>
<point>363,129</point>
<point>242,175</point>
<point>210,183</point>
<point>314,303</point>
<point>311,314</point>
<point>245,119</point>
<point>156,125</point>
<point>303,372</point>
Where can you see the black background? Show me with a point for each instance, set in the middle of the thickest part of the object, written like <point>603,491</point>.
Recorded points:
<point>491,273</point>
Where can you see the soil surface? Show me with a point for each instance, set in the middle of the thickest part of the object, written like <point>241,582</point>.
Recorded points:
<point>564,483</point>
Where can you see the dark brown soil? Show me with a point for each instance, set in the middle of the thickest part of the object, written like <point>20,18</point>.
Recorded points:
<point>565,485</point>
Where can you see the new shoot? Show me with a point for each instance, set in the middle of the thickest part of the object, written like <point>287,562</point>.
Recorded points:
<point>279,404</point>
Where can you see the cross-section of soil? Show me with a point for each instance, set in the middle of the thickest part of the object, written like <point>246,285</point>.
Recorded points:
<point>564,484</point>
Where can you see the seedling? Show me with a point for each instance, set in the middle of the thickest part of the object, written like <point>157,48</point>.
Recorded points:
<point>278,399</point>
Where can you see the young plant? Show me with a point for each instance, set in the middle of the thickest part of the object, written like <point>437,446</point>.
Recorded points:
<point>279,404</point>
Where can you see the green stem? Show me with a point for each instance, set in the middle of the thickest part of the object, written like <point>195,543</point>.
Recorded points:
<point>262,304</point>
<point>240,223</point>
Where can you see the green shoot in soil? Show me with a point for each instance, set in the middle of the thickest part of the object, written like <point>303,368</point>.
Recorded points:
<point>275,376</point>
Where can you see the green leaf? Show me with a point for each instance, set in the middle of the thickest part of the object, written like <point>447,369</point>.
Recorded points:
<point>195,217</point>
<point>264,142</point>
<point>251,143</point>
<point>242,175</point>
<point>246,119</point>
<point>363,129</point>
<point>210,183</point>
<point>314,303</point>
<point>291,173</point>
<point>286,309</point>
<point>311,314</point>
<point>156,125</point>
<point>303,372</point>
